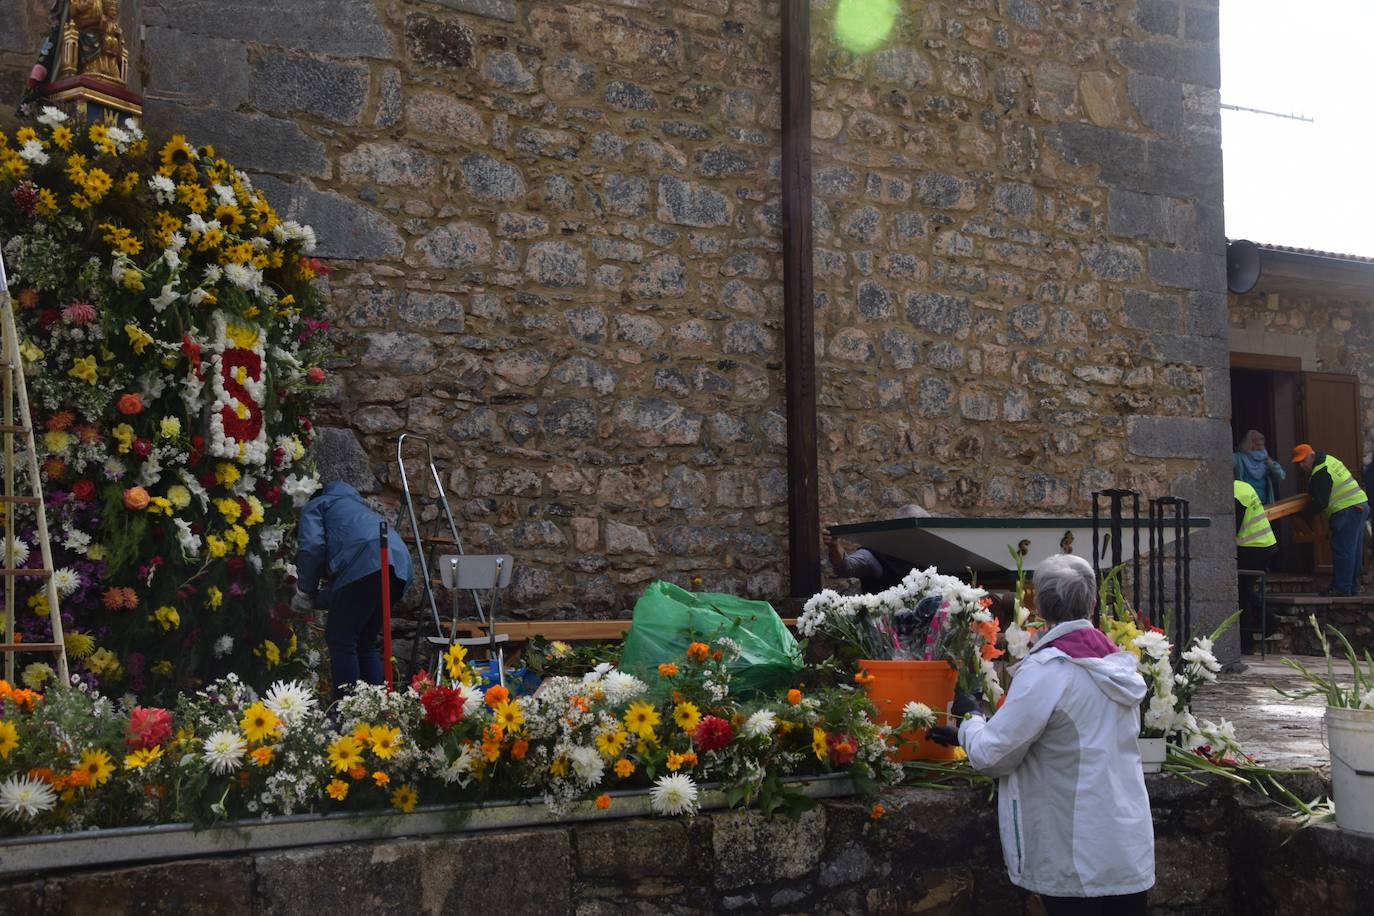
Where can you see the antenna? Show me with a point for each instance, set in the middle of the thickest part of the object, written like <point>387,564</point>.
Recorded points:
<point>1272,114</point>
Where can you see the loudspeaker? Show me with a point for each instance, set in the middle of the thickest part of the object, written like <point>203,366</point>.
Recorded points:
<point>1242,266</point>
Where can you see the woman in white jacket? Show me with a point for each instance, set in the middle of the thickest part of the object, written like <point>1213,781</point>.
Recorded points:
<point>1074,814</point>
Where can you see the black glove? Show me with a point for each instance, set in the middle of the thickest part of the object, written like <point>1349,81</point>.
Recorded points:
<point>964,704</point>
<point>948,735</point>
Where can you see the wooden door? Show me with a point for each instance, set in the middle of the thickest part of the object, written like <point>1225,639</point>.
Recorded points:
<point>1331,424</point>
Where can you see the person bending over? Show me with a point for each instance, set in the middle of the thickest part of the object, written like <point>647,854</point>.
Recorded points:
<point>876,571</point>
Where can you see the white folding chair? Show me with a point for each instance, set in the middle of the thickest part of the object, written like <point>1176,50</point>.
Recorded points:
<point>483,573</point>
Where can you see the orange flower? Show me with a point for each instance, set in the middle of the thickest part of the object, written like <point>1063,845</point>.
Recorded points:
<point>60,420</point>
<point>794,696</point>
<point>667,669</point>
<point>42,773</point>
<point>380,778</point>
<point>991,651</point>
<point>357,771</point>
<point>698,651</point>
<point>689,759</point>
<point>129,404</point>
<point>497,695</point>
<point>28,298</point>
<point>864,677</point>
<point>78,778</point>
<point>519,749</point>
<point>603,801</point>
<point>136,499</point>
<point>262,756</point>
<point>876,813</point>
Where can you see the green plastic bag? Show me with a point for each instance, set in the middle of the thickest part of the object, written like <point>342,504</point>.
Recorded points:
<point>668,618</point>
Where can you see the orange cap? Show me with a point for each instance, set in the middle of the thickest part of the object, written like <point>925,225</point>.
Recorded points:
<point>1301,452</point>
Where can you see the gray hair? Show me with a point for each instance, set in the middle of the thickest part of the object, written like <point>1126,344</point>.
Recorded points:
<point>1065,588</point>
<point>912,510</point>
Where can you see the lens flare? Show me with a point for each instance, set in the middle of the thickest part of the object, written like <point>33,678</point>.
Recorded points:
<point>862,25</point>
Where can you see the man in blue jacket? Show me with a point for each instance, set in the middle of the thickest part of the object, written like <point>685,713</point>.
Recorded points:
<point>337,540</point>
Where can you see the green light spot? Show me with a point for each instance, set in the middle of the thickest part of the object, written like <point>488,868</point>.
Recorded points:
<point>862,25</point>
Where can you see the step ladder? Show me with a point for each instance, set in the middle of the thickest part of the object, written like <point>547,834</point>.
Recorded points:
<point>12,388</point>
<point>443,533</point>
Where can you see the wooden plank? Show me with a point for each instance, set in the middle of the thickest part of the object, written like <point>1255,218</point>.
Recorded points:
<point>1266,362</point>
<point>30,646</point>
<point>803,503</point>
<point>1283,508</point>
<point>22,500</point>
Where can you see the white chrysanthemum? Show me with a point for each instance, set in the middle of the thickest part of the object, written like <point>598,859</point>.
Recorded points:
<point>163,188</point>
<point>587,764</point>
<point>621,687</point>
<point>1154,645</point>
<point>214,272</point>
<point>224,751</point>
<point>25,796</point>
<point>760,724</point>
<point>76,541</point>
<point>66,580</point>
<point>19,549</point>
<point>290,700</point>
<point>244,277</point>
<point>673,795</point>
<point>51,117</point>
<point>472,700</point>
<point>916,716</point>
<point>33,152</point>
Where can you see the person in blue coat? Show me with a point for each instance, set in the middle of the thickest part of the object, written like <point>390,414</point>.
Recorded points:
<point>337,539</point>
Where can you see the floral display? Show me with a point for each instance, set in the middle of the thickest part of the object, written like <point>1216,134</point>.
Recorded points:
<point>926,616</point>
<point>171,336</point>
<point>1358,694</point>
<point>72,758</point>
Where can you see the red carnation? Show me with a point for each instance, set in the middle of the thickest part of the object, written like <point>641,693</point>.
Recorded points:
<point>443,707</point>
<point>149,726</point>
<point>712,734</point>
<point>315,375</point>
<point>83,489</point>
<point>208,480</point>
<point>143,448</point>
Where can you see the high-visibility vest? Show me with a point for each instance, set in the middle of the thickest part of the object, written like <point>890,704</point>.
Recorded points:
<point>1345,490</point>
<point>1255,530</point>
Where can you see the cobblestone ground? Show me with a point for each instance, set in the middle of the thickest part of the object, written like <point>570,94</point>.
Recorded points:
<point>1278,731</point>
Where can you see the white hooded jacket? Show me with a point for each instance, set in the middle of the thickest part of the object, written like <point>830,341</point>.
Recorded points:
<point>1073,810</point>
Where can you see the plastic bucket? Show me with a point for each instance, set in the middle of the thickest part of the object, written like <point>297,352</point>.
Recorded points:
<point>1350,733</point>
<point>1153,753</point>
<point>897,683</point>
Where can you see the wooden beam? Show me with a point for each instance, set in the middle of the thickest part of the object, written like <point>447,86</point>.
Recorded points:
<point>803,510</point>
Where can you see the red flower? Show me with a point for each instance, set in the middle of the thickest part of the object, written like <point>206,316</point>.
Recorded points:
<point>712,734</point>
<point>143,448</point>
<point>207,480</point>
<point>443,707</point>
<point>83,489</point>
<point>315,375</point>
<point>149,726</point>
<point>192,351</point>
<point>130,404</point>
<point>841,748</point>
<point>47,318</point>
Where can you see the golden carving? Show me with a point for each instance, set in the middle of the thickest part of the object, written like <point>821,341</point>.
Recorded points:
<point>93,42</point>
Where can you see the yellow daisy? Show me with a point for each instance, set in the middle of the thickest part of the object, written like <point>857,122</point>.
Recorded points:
<point>96,765</point>
<point>259,722</point>
<point>9,738</point>
<point>687,716</point>
<point>345,753</point>
<point>610,744</point>
<point>641,718</point>
<point>405,798</point>
<point>818,742</point>
<point>508,715</point>
<point>385,740</point>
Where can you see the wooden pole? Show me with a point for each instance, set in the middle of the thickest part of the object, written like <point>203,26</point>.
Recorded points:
<point>803,512</point>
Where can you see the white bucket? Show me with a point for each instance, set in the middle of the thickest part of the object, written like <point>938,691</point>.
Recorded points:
<point>1351,741</point>
<point>1152,753</point>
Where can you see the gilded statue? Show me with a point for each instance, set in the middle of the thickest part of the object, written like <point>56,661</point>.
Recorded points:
<point>93,42</point>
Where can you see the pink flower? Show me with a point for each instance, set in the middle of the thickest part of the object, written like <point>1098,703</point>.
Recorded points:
<point>149,726</point>
<point>79,313</point>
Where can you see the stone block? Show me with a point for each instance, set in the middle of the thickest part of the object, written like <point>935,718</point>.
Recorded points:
<point>1201,23</point>
<point>1147,216</point>
<point>521,368</point>
<point>627,539</point>
<point>1150,311</point>
<point>556,264</point>
<point>439,44</point>
<point>1158,17</point>
<point>441,113</point>
<point>946,192</point>
<point>750,848</point>
<point>942,315</point>
<point>345,28</point>
<point>568,77</point>
<point>1207,314</point>
<point>388,164</point>
<point>652,422</point>
<point>208,71</point>
<point>344,227</point>
<point>14,30</point>
<point>626,195</point>
<point>400,352</point>
<point>209,887</point>
<point>684,203</point>
<point>1177,437</point>
<point>503,10</point>
<point>504,70</point>
<point>571,418</point>
<point>1200,65</point>
<point>1159,101</point>
<point>1188,269</point>
<point>288,83</point>
<point>903,66</point>
<point>455,246</point>
<point>390,104</point>
<point>253,143</point>
<point>664,277</point>
<point>623,95</point>
<point>1113,261</point>
<point>491,179</point>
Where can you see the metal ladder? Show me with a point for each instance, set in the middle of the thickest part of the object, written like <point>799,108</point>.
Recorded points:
<point>14,387</point>
<point>439,637</point>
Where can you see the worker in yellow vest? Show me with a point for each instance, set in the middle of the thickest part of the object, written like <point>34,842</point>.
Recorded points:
<point>1335,493</point>
<point>1256,550</point>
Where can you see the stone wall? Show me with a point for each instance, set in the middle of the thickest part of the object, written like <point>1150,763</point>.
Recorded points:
<point>556,236</point>
<point>932,852</point>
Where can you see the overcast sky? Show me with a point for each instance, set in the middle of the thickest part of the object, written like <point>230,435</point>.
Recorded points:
<point>1289,182</point>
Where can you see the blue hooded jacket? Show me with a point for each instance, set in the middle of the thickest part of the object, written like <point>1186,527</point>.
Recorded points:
<point>336,539</point>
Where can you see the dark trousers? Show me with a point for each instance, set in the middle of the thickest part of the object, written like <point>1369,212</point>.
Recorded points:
<point>352,628</point>
<point>1347,547</point>
<point>1252,558</point>
<point>1123,905</point>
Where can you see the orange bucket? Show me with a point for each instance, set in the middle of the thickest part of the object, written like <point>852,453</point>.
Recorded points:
<point>897,683</point>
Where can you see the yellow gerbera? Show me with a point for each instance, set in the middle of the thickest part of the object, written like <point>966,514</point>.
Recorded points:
<point>610,744</point>
<point>405,798</point>
<point>9,738</point>
<point>259,722</point>
<point>385,741</point>
<point>641,718</point>
<point>453,663</point>
<point>818,742</point>
<point>687,716</point>
<point>95,763</point>
<point>345,753</point>
<point>142,757</point>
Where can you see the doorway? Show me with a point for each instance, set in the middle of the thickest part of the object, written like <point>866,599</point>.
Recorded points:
<point>1275,396</point>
